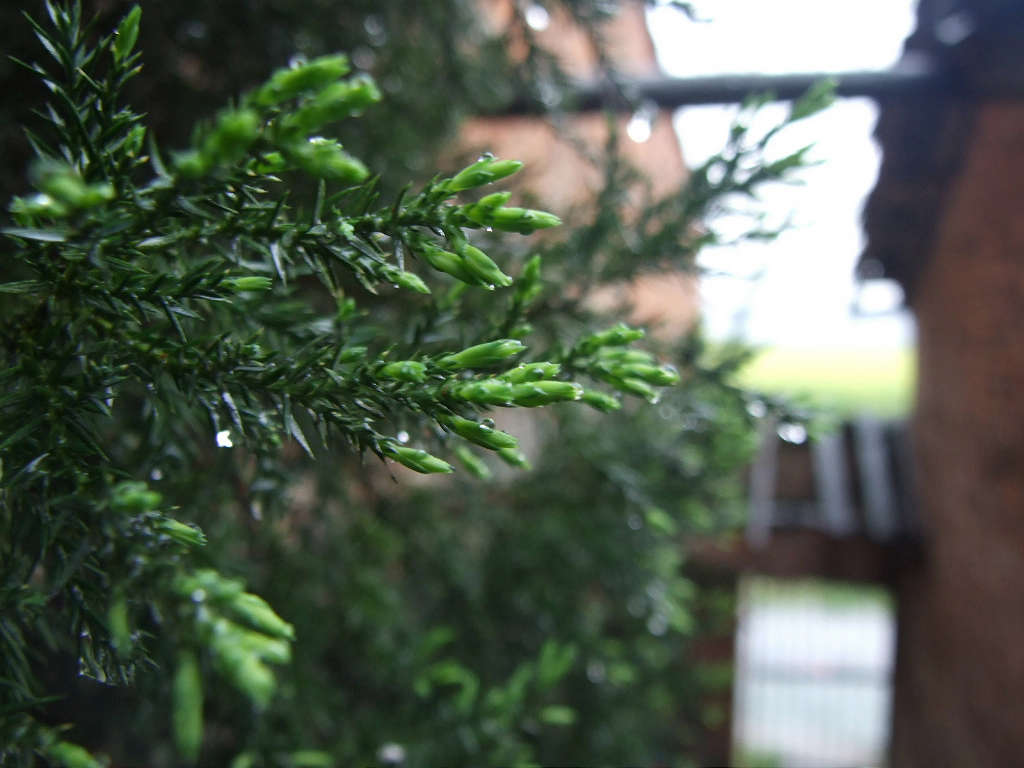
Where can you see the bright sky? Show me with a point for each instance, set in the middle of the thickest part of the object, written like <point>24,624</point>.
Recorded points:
<point>805,291</point>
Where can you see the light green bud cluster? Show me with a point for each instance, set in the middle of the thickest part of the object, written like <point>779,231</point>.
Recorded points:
<point>333,103</point>
<point>242,632</point>
<point>660,376</point>
<point>62,192</point>
<point>325,159</point>
<point>481,434</point>
<point>324,98</point>
<point>415,459</point>
<point>497,391</point>
<point>231,137</point>
<point>616,336</point>
<point>64,184</point>
<point>491,211</point>
<point>631,371</point>
<point>404,370</point>
<point>226,143</point>
<point>539,393</point>
<point>486,170</point>
<point>294,81</point>
<point>482,355</point>
<point>243,667</point>
<point>468,264</point>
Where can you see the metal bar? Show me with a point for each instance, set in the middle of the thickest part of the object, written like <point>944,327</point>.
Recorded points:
<point>872,453</point>
<point>831,477</point>
<point>762,485</point>
<point>912,76</point>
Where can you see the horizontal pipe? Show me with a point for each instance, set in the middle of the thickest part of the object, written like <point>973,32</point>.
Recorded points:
<point>907,78</point>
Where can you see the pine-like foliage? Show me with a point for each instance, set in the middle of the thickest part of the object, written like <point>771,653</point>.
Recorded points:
<point>195,344</point>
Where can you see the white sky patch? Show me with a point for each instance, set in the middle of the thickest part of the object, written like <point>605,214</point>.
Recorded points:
<point>799,289</point>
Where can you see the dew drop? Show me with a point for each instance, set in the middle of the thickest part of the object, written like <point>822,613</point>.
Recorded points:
<point>537,17</point>
<point>391,754</point>
<point>224,439</point>
<point>402,437</point>
<point>639,127</point>
<point>793,433</point>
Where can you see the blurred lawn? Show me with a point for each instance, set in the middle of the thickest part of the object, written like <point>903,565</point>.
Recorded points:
<point>846,381</point>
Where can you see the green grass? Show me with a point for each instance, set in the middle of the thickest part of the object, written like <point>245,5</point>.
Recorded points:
<point>762,591</point>
<point>847,382</point>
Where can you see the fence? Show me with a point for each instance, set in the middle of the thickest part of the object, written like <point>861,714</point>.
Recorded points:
<point>813,674</point>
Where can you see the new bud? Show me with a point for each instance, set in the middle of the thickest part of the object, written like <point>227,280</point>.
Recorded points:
<point>410,281</point>
<point>480,265</point>
<point>447,262</point>
<point>481,210</point>
<point>187,535</point>
<point>313,75</point>
<point>415,459</point>
<point>532,372</point>
<point>404,370</point>
<point>481,434</point>
<point>325,159</point>
<point>482,355</point>
<point>485,392</point>
<point>601,401</point>
<point>484,171</point>
<point>248,283</point>
<point>539,393</point>
<point>522,220</point>
<point>659,376</point>
<point>616,336</point>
